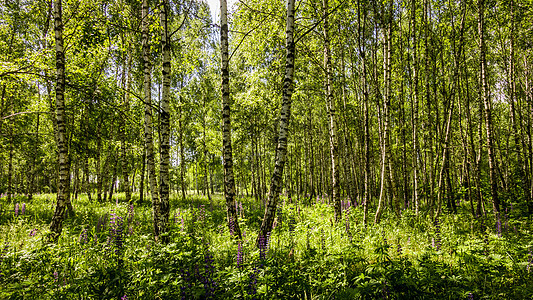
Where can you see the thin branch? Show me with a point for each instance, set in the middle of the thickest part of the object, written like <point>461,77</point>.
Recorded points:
<point>25,112</point>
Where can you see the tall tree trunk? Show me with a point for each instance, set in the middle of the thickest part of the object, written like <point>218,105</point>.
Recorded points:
<point>10,165</point>
<point>414,109</point>
<point>123,129</point>
<point>100,175</point>
<point>182,153</point>
<point>165,126</point>
<point>148,138</point>
<point>484,95</point>
<point>330,100</point>
<point>362,52</point>
<point>229,180</point>
<point>385,155</point>
<point>281,150</point>
<point>143,173</point>
<point>63,196</point>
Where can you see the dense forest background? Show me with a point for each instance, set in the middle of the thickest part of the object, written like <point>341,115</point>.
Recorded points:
<point>398,104</point>
<point>300,149</point>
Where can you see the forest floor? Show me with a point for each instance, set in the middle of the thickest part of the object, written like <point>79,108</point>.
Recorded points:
<point>107,251</point>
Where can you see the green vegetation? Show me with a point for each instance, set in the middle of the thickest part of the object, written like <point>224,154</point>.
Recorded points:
<point>413,117</point>
<point>308,256</point>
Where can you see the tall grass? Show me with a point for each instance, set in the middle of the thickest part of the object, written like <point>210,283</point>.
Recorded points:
<point>107,251</point>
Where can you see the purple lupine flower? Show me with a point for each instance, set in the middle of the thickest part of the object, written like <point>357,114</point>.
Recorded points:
<point>231,227</point>
<point>124,297</point>
<point>23,209</point>
<point>182,224</point>
<point>262,247</point>
<point>437,240</point>
<point>252,283</point>
<point>56,276</point>
<point>385,290</point>
<point>470,296</point>
<point>3,254</point>
<point>499,226</point>
<point>208,277</point>
<point>131,213</point>
<point>239,255</point>
<point>119,241</point>
<point>201,216</point>
<point>33,232</point>
<point>399,249</point>
<point>530,261</point>
<point>112,217</point>
<point>280,217</point>
<point>323,239</point>
<point>307,239</point>
<point>16,209</point>
<point>83,237</point>
<point>348,224</point>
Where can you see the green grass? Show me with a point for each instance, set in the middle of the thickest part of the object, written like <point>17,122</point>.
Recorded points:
<point>309,257</point>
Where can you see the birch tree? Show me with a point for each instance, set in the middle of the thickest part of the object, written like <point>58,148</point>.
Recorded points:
<point>63,190</point>
<point>281,149</point>
<point>229,180</point>
<point>148,139</point>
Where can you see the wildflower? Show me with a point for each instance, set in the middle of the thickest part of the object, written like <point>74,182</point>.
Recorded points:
<point>231,226</point>
<point>4,252</point>
<point>437,242</point>
<point>399,249</point>
<point>124,297</point>
<point>323,239</point>
<point>83,237</point>
<point>262,247</point>
<point>202,213</point>
<point>23,209</point>
<point>119,240</point>
<point>16,209</point>
<point>252,284</point>
<point>33,232</point>
<point>385,290</point>
<point>131,214</point>
<point>470,296</point>
<point>528,267</point>
<point>55,276</point>
<point>499,226</point>
<point>209,283</point>
<point>239,255</point>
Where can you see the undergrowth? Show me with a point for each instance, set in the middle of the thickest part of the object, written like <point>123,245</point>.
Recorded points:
<point>107,251</point>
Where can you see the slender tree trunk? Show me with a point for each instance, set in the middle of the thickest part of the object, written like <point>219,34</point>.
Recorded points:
<point>143,173</point>
<point>10,165</point>
<point>385,156</point>
<point>367,193</point>
<point>63,196</point>
<point>113,181</point>
<point>99,172</point>
<point>484,95</point>
<point>414,109</point>
<point>281,150</point>
<point>182,153</point>
<point>330,100</point>
<point>165,126</point>
<point>123,130</point>
<point>229,180</point>
<point>148,138</point>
